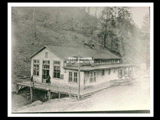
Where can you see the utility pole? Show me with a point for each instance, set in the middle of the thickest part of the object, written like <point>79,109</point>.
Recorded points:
<point>79,76</point>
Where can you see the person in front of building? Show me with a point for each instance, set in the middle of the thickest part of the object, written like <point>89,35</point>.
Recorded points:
<point>32,81</point>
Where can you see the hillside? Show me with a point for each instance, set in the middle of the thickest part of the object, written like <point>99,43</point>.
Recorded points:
<point>48,32</point>
<point>33,28</point>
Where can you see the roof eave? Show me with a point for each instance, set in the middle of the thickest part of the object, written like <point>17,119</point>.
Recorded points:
<point>37,52</point>
<point>43,49</point>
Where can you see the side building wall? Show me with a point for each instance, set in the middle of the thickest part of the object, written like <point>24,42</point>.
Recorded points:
<point>101,76</point>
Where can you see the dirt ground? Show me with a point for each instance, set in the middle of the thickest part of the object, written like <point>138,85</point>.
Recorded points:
<point>133,96</point>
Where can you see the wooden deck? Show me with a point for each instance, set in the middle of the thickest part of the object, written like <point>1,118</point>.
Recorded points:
<point>52,88</point>
<point>71,91</point>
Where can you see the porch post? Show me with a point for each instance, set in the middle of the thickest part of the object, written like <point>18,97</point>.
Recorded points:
<point>69,92</point>
<point>78,77</point>
<point>31,93</point>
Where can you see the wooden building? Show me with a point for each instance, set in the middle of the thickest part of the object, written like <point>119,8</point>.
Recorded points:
<point>52,61</point>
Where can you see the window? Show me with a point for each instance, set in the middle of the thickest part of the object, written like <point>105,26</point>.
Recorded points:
<point>56,71</point>
<point>70,76</point>
<point>109,71</point>
<point>92,76</point>
<point>46,64</point>
<point>103,72</point>
<point>75,76</point>
<point>46,54</point>
<point>36,67</point>
<point>56,68</point>
<point>120,73</point>
<point>125,71</point>
<point>56,62</point>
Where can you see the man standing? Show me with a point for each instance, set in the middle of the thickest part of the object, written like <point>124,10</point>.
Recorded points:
<point>48,80</point>
<point>32,82</point>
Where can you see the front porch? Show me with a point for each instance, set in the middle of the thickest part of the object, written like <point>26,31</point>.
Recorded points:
<point>67,90</point>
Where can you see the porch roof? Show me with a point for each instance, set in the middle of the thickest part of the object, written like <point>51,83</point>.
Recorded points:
<point>100,67</point>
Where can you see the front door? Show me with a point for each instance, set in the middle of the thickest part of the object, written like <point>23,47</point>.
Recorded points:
<point>45,71</point>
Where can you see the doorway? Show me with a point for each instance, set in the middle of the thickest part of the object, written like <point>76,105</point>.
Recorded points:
<point>45,71</point>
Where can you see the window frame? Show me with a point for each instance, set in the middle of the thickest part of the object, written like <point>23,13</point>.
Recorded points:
<point>75,77</point>
<point>92,76</point>
<point>56,72</point>
<point>103,72</point>
<point>36,64</point>
<point>109,71</point>
<point>70,77</point>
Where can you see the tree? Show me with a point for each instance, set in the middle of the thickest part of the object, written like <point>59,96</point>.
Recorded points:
<point>116,23</point>
<point>146,38</point>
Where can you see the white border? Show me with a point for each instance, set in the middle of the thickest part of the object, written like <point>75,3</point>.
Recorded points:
<point>79,5</point>
<point>65,4</point>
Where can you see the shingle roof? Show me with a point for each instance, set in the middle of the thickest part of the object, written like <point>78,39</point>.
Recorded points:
<point>65,52</point>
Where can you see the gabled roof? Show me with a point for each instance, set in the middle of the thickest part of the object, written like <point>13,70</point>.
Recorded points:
<point>65,52</point>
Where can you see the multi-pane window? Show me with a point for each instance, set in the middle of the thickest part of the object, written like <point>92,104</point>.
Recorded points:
<point>56,69</point>
<point>36,67</point>
<point>56,62</point>
<point>129,72</point>
<point>125,71</point>
<point>92,76</point>
<point>109,71</point>
<point>103,72</point>
<point>75,76</point>
<point>70,76</point>
<point>46,64</point>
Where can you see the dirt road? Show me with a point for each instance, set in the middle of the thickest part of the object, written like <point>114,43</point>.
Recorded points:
<point>134,96</point>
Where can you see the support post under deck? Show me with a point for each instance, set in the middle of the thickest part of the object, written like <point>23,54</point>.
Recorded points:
<point>31,93</point>
<point>49,95</point>
<point>59,95</point>
<point>17,88</point>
